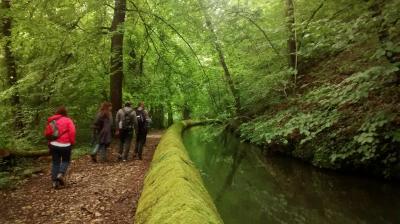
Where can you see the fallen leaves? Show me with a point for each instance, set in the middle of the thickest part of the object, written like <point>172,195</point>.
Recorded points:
<point>95,193</point>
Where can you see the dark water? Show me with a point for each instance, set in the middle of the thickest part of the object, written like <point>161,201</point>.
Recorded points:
<point>248,188</point>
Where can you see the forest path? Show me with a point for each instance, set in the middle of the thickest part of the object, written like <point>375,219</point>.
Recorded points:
<point>95,192</point>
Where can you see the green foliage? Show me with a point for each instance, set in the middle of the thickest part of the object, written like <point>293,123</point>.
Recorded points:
<point>5,180</point>
<point>324,121</point>
<point>11,176</point>
<point>337,109</point>
<point>80,150</point>
<point>335,121</point>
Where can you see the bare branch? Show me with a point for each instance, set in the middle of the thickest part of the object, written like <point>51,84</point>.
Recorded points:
<point>308,23</point>
<point>242,14</point>
<point>180,36</point>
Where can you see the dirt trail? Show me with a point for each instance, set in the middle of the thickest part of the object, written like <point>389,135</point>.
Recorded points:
<point>96,192</point>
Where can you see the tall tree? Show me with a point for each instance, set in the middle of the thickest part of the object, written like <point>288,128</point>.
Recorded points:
<point>170,114</point>
<point>221,57</point>
<point>117,41</point>
<point>12,77</point>
<point>291,42</point>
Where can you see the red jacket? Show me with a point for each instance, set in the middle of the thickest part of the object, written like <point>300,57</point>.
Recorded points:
<point>65,127</point>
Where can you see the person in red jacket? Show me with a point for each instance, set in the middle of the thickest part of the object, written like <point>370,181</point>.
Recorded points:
<point>60,148</point>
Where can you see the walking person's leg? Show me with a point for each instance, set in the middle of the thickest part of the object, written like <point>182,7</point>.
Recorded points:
<point>65,161</point>
<point>95,145</point>
<point>56,160</point>
<point>145,138</point>
<point>127,145</point>
<point>141,138</point>
<point>137,145</point>
<point>122,139</point>
<point>93,154</point>
<point>102,152</point>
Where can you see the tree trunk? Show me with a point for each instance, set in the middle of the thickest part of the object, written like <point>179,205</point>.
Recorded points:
<point>117,41</point>
<point>186,112</point>
<point>11,66</point>
<point>4,153</point>
<point>170,114</point>
<point>140,66</point>
<point>221,56</point>
<point>158,116</point>
<point>291,42</point>
<point>133,61</point>
<point>136,64</point>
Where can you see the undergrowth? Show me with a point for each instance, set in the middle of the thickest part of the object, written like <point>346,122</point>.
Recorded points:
<point>14,171</point>
<point>353,124</point>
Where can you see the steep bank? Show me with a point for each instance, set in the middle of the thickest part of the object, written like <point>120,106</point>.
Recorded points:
<point>345,115</point>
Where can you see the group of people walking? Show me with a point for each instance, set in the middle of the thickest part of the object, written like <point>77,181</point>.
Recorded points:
<point>128,121</point>
<point>60,132</point>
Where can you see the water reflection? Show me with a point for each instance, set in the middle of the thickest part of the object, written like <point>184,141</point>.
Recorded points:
<point>248,188</point>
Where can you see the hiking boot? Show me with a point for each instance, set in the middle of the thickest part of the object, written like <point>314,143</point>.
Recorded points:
<point>94,159</point>
<point>55,184</point>
<point>60,178</point>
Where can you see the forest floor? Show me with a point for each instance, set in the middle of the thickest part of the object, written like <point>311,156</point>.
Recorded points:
<point>95,192</point>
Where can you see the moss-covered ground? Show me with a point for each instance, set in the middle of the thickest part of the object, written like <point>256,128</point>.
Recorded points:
<point>173,189</point>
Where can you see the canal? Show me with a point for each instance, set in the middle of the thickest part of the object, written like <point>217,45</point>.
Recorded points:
<point>248,187</point>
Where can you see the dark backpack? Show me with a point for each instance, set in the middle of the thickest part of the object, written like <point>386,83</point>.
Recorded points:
<point>127,121</point>
<point>141,119</point>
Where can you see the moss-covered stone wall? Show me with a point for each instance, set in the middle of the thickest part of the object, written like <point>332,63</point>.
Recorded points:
<point>173,189</point>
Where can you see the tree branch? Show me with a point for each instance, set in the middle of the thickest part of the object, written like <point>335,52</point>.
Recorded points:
<point>180,36</point>
<point>308,23</point>
<point>260,29</point>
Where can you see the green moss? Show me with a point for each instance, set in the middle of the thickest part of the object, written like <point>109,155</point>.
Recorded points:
<point>173,189</point>
<point>80,150</point>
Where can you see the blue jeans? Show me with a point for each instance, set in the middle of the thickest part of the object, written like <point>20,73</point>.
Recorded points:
<point>61,157</point>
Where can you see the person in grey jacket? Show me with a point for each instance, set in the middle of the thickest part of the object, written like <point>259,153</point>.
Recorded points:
<point>126,122</point>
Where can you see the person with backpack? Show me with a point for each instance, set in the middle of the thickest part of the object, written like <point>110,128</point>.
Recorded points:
<point>126,123</point>
<point>143,121</point>
<point>102,130</point>
<point>60,132</point>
